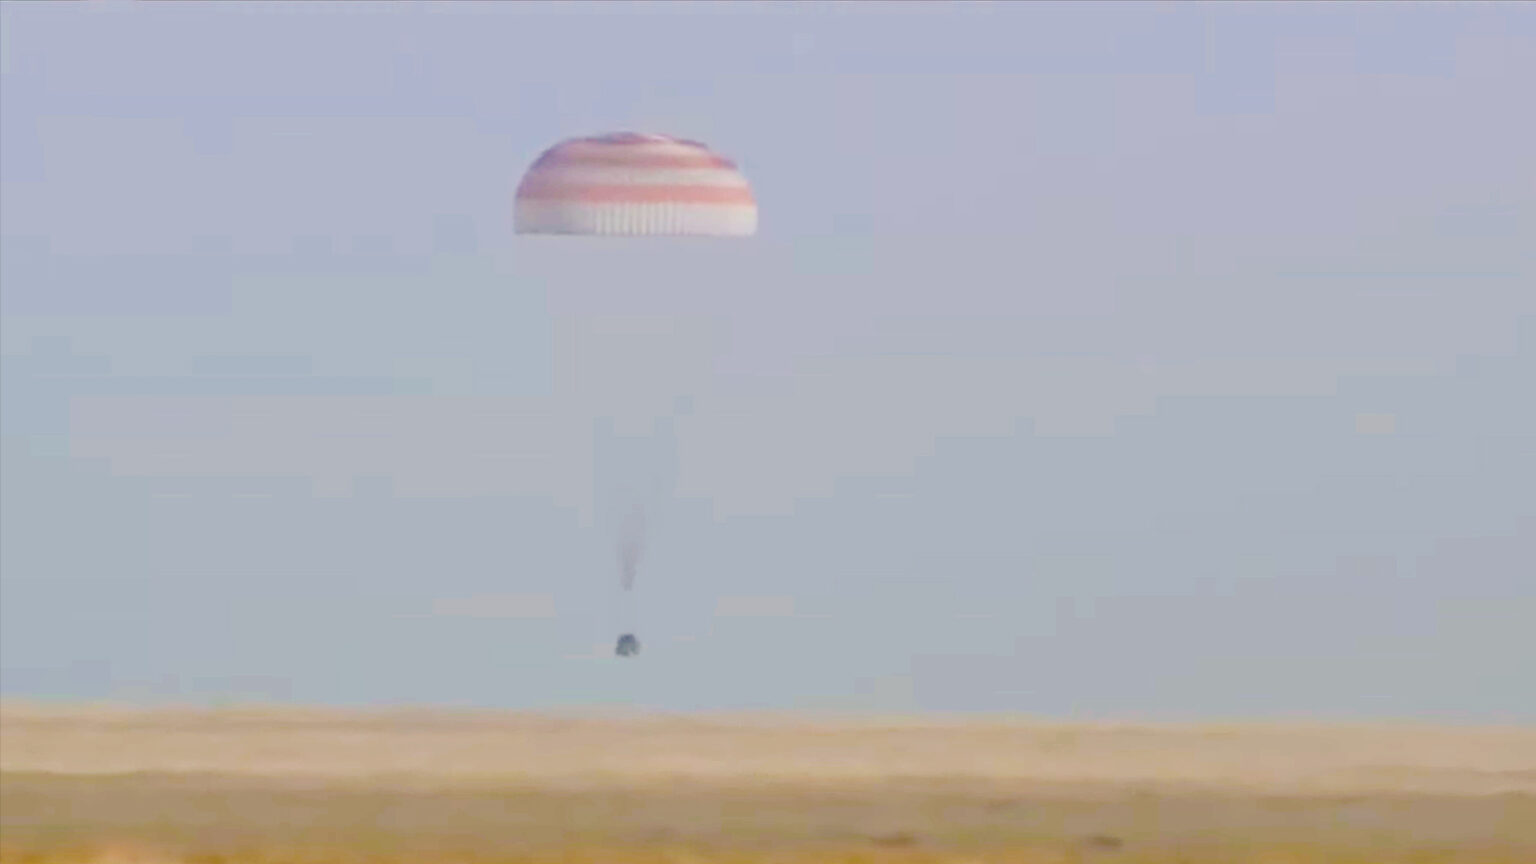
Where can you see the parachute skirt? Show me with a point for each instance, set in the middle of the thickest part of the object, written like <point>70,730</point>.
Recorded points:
<point>661,219</point>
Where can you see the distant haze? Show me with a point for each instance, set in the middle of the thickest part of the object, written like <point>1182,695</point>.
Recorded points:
<point>1113,359</point>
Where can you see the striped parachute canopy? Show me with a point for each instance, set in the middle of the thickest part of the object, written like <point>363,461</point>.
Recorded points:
<point>626,183</point>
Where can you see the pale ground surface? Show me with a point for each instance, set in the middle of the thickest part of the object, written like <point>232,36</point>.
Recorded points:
<point>309,784</point>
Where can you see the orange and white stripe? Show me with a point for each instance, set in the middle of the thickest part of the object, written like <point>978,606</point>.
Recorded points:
<point>627,183</point>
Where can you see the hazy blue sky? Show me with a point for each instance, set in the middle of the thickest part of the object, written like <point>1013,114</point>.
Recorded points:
<point>1124,360</point>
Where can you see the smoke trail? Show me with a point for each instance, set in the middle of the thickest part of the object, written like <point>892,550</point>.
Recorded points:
<point>631,545</point>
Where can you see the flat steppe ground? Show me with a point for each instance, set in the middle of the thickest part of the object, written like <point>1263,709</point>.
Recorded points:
<point>104,783</point>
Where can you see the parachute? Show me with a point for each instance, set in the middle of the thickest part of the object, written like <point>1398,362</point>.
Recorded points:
<point>633,184</point>
<point>638,185</point>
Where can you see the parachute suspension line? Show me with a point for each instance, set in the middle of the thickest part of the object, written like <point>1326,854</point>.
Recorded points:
<point>631,545</point>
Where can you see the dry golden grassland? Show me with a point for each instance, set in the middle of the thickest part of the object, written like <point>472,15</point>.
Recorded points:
<point>114,784</point>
